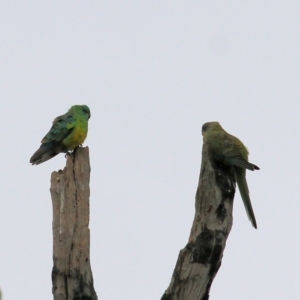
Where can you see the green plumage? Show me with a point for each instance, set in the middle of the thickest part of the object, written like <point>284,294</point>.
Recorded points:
<point>67,132</point>
<point>231,151</point>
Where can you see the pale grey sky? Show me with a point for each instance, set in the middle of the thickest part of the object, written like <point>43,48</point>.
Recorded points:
<point>152,72</point>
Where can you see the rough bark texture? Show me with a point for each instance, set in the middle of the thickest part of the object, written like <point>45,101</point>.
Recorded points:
<point>72,277</point>
<point>200,260</point>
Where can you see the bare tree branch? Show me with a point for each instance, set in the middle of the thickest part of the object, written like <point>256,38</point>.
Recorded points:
<point>200,260</point>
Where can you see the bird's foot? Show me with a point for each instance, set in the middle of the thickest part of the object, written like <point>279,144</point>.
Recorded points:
<point>71,154</point>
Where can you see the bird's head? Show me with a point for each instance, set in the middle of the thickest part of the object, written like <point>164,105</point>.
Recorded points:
<point>86,110</point>
<point>81,109</point>
<point>210,126</point>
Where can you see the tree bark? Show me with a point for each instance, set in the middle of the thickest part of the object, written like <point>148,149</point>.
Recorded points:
<point>72,277</point>
<point>200,260</point>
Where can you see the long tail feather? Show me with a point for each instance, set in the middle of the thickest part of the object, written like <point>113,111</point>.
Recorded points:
<point>244,191</point>
<point>44,153</point>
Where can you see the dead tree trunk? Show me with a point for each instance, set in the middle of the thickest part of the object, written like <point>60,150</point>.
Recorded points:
<point>72,277</point>
<point>200,260</point>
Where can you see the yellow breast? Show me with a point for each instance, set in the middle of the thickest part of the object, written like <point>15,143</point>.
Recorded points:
<point>76,138</point>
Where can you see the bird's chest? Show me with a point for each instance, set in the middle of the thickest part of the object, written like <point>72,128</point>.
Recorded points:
<point>77,137</point>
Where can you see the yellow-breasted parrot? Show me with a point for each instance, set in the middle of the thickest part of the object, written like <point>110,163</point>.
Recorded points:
<point>230,150</point>
<point>67,132</point>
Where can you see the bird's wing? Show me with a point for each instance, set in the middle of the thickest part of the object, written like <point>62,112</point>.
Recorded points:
<point>62,126</point>
<point>240,162</point>
<point>230,145</point>
<point>235,153</point>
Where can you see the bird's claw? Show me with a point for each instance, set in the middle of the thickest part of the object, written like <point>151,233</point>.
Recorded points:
<point>69,154</point>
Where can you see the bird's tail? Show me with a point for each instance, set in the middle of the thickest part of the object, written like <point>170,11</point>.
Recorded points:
<point>45,152</point>
<point>244,191</point>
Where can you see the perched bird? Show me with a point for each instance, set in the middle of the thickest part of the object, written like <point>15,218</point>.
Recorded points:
<point>231,151</point>
<point>67,132</point>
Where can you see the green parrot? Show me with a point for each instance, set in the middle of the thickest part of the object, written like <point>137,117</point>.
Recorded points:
<point>230,150</point>
<point>67,132</point>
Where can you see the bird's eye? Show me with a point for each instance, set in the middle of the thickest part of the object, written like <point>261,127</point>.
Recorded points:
<point>204,127</point>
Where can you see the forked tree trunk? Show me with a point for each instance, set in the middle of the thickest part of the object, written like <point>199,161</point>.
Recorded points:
<point>200,260</point>
<point>71,274</point>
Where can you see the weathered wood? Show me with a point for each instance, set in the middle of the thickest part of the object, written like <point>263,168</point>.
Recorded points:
<point>200,260</point>
<point>72,277</point>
